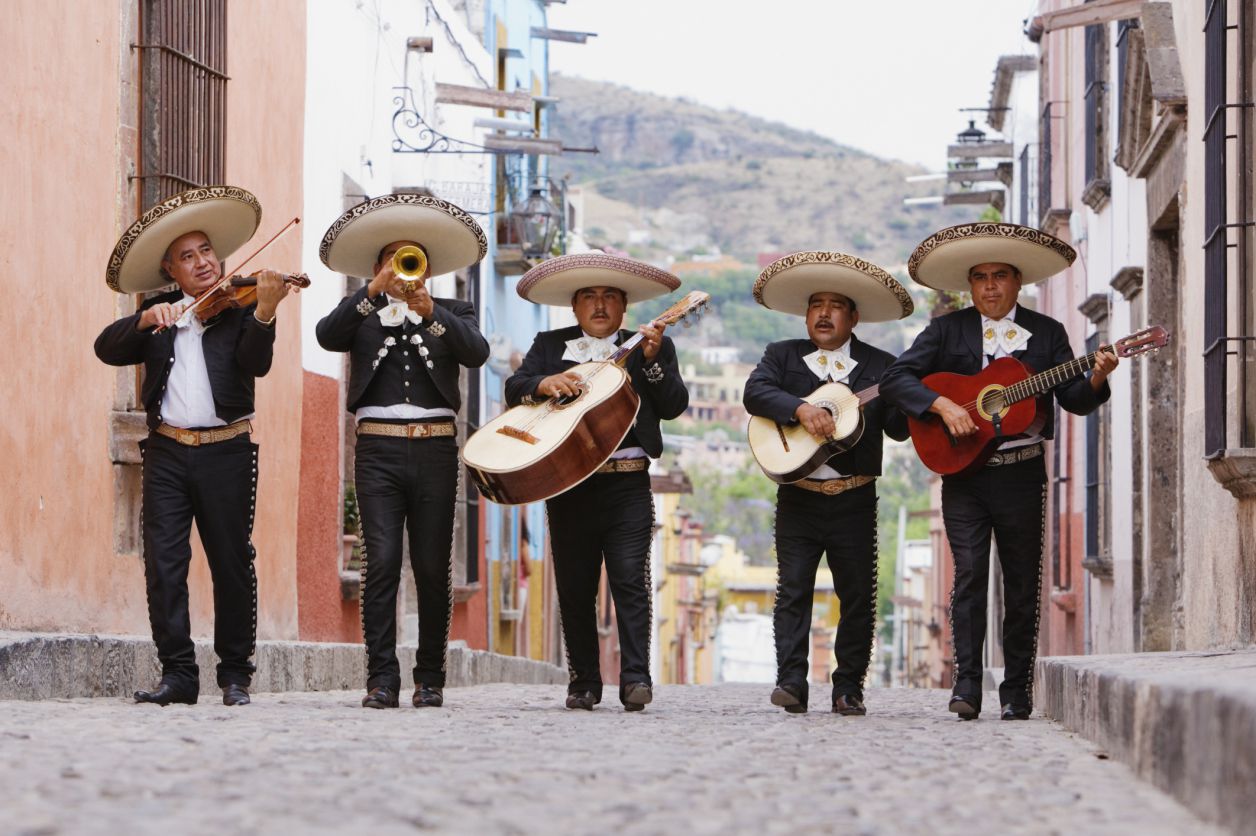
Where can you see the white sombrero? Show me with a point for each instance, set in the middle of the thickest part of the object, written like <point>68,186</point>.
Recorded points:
<point>451,237</point>
<point>943,259</point>
<point>227,215</point>
<point>552,282</point>
<point>788,284</point>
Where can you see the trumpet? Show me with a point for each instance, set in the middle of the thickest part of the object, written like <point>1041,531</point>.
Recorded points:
<point>409,263</point>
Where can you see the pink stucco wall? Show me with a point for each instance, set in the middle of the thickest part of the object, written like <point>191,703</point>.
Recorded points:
<point>66,199</point>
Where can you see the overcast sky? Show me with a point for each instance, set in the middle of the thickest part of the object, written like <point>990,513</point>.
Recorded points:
<point>885,76</point>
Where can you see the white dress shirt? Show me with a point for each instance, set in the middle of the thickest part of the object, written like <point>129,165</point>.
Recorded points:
<point>188,399</point>
<point>1000,334</point>
<point>836,375</point>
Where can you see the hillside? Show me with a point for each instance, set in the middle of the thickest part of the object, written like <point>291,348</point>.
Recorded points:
<point>675,177</point>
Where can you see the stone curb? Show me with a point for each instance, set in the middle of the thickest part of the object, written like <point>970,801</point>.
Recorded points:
<point>63,666</point>
<point>1186,722</point>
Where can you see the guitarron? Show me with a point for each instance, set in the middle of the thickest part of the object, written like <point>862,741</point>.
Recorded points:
<point>534,451</point>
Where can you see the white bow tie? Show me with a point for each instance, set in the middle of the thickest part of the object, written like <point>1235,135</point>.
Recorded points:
<point>830,364</point>
<point>396,312</point>
<point>1003,334</point>
<point>585,349</point>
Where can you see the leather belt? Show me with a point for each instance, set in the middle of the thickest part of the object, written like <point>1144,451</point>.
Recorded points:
<point>1016,454</point>
<point>832,487</point>
<point>623,466</point>
<point>426,429</point>
<point>195,438</point>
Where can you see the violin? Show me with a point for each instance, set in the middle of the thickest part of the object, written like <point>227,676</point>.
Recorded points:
<point>227,293</point>
<point>238,292</point>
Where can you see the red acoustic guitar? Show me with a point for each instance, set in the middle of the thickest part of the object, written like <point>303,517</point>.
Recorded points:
<point>1003,401</point>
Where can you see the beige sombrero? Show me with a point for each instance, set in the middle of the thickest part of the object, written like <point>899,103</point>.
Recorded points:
<point>788,284</point>
<point>552,282</point>
<point>943,259</point>
<point>227,215</point>
<point>450,236</point>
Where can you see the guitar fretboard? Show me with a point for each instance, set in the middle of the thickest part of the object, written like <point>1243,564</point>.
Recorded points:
<point>1043,382</point>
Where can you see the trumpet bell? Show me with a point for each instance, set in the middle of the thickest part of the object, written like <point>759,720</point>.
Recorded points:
<point>409,262</point>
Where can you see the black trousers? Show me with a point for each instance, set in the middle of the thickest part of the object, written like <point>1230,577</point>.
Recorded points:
<point>215,485</point>
<point>410,484</point>
<point>843,528</point>
<point>609,516</point>
<point>1008,502</point>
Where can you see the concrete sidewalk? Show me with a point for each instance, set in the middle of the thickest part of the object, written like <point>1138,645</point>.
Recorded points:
<point>64,666</point>
<point>1184,721</point>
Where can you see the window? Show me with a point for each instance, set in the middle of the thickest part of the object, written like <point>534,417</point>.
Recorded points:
<point>1219,343</point>
<point>1096,134</point>
<point>1098,558</point>
<point>1023,198</point>
<point>183,96</point>
<point>1044,164</point>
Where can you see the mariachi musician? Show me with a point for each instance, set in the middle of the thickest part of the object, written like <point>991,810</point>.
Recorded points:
<point>199,460</point>
<point>1007,496</point>
<point>833,510</point>
<point>610,515</point>
<point>406,349</point>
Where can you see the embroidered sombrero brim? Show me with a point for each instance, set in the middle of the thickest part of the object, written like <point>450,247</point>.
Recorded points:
<point>450,236</point>
<point>227,215</point>
<point>552,282</point>
<point>942,260</point>
<point>788,284</point>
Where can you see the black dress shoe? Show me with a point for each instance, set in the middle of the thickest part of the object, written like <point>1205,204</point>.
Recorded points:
<point>637,695</point>
<point>380,697</point>
<point>789,697</point>
<point>582,699</point>
<point>849,705</point>
<point>1015,712</point>
<point>427,696</point>
<point>968,708</point>
<point>165,693</point>
<point>235,695</point>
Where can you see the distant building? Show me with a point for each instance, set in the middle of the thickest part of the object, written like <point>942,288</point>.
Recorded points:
<point>717,397</point>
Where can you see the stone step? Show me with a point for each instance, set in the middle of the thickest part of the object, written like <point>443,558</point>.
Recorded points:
<point>66,666</point>
<point>1184,721</point>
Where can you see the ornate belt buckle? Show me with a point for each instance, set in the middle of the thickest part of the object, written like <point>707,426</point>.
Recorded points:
<point>995,460</point>
<point>832,487</point>
<point>189,437</point>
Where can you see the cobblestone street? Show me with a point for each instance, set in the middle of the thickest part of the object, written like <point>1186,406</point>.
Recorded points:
<point>511,759</point>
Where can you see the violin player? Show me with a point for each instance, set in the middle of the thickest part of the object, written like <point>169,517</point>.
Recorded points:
<point>199,460</point>
<point>406,351</point>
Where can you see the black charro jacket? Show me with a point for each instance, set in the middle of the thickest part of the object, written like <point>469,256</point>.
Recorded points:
<point>665,399</point>
<point>952,343</point>
<point>451,334</point>
<point>237,349</point>
<point>777,385</point>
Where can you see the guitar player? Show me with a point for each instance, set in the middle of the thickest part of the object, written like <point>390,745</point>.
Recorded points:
<point>833,511</point>
<point>1007,496</point>
<point>610,515</point>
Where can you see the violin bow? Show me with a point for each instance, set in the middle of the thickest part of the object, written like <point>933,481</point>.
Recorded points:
<point>186,316</point>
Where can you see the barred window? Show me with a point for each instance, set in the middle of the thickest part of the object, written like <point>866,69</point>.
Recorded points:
<point>1228,334</point>
<point>183,96</point>
<point>1096,134</point>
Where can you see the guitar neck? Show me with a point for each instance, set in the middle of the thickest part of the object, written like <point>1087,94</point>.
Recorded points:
<point>620,357</point>
<point>869,394</point>
<point>1043,382</point>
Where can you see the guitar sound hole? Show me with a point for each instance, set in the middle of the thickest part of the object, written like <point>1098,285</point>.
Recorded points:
<point>992,403</point>
<point>568,400</point>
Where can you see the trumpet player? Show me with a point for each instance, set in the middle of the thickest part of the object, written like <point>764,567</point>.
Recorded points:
<point>406,351</point>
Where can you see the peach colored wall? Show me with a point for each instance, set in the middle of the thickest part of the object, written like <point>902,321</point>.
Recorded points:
<point>57,226</point>
<point>66,201</point>
<point>323,614</point>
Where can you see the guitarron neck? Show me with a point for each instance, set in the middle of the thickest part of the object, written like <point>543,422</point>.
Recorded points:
<point>1043,382</point>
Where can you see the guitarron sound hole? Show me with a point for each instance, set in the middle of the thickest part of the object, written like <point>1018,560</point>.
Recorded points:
<point>991,402</point>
